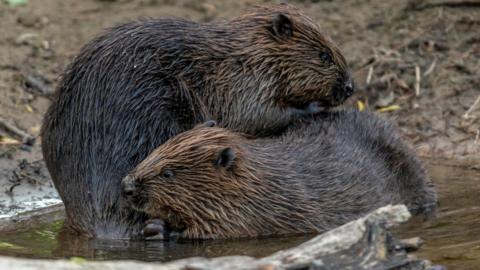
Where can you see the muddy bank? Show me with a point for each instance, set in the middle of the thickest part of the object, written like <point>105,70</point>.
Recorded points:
<point>25,185</point>
<point>418,64</point>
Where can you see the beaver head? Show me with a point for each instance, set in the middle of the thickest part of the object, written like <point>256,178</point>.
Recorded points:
<point>268,65</point>
<point>201,183</point>
<point>309,62</point>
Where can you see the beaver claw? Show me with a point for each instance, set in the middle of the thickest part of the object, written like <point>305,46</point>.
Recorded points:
<point>311,108</point>
<point>154,229</point>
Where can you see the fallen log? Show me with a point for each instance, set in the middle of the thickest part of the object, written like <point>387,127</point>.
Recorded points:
<point>361,244</point>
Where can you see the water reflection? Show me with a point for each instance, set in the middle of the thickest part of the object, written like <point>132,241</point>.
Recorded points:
<point>51,242</point>
<point>453,237</point>
<point>168,251</point>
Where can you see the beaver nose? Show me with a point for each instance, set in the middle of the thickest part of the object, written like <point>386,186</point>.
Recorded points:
<point>343,89</point>
<point>128,186</point>
<point>349,87</point>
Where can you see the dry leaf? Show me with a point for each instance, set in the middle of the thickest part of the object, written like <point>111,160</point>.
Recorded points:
<point>360,105</point>
<point>389,108</point>
<point>29,108</point>
<point>8,141</point>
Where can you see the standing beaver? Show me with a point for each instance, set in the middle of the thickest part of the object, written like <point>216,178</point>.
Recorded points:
<point>141,83</point>
<point>213,183</point>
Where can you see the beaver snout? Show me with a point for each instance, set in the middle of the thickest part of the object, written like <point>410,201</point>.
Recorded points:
<point>343,89</point>
<point>134,194</point>
<point>128,186</point>
<point>349,87</point>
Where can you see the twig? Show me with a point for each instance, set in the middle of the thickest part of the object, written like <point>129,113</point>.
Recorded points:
<point>411,244</point>
<point>10,67</point>
<point>452,4</point>
<point>466,115</point>
<point>38,85</point>
<point>369,76</point>
<point>32,181</point>
<point>430,68</point>
<point>409,41</point>
<point>15,183</point>
<point>417,80</point>
<point>26,138</point>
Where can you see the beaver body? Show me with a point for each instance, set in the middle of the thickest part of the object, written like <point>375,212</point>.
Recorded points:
<point>324,172</point>
<point>141,83</point>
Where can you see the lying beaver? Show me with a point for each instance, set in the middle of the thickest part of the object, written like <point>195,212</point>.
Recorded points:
<point>213,183</point>
<point>141,83</point>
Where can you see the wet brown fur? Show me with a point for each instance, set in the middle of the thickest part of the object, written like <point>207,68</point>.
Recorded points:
<point>212,202</point>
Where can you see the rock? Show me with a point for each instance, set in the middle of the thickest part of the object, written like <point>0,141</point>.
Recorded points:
<point>30,39</point>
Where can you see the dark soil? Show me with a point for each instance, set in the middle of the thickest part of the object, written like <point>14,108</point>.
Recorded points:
<point>417,62</point>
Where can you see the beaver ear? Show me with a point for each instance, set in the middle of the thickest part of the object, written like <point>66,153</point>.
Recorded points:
<point>282,26</point>
<point>225,158</point>
<point>209,123</point>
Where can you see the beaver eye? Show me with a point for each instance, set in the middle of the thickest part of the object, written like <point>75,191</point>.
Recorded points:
<point>326,57</point>
<point>167,174</point>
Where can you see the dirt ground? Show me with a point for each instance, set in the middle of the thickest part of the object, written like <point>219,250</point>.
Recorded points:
<point>415,62</point>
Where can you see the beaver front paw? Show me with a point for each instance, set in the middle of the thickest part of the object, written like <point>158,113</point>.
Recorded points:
<point>154,229</point>
<point>314,107</point>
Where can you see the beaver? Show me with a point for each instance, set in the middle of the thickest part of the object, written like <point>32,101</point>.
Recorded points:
<point>140,83</point>
<point>210,182</point>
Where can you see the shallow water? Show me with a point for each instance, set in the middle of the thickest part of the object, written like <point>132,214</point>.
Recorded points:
<point>46,242</point>
<point>451,239</point>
